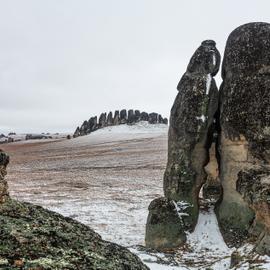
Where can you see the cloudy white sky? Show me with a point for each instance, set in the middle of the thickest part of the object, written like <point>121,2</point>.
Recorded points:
<point>62,61</point>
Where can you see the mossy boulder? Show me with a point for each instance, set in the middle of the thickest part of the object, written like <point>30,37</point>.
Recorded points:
<point>164,229</point>
<point>35,238</point>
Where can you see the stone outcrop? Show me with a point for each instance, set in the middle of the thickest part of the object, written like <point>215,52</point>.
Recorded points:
<point>116,118</point>
<point>35,238</point>
<point>153,118</point>
<point>144,116</point>
<point>254,186</point>
<point>190,135</point>
<point>102,120</point>
<point>4,160</point>
<point>131,117</point>
<point>244,139</point>
<point>109,121</point>
<point>163,220</point>
<point>123,117</point>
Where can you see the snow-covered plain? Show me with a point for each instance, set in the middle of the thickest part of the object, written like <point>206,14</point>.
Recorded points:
<point>107,180</point>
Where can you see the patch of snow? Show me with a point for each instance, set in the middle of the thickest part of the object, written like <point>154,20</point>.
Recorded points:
<point>202,118</point>
<point>214,59</point>
<point>208,83</point>
<point>180,207</point>
<point>140,130</point>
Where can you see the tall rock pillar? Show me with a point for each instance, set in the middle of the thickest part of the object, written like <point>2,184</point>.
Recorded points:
<point>191,117</point>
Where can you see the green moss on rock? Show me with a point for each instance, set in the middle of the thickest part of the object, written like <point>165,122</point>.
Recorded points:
<point>42,239</point>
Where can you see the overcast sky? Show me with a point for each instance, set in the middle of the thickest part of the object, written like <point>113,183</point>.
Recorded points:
<point>64,61</point>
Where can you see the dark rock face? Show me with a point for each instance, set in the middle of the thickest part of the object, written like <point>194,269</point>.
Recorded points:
<point>4,160</point>
<point>123,116</point>
<point>77,132</point>
<point>160,119</point>
<point>153,118</point>
<point>163,220</point>
<point>84,128</point>
<point>102,120</point>
<point>205,60</point>
<point>109,120</point>
<point>244,121</point>
<point>165,121</point>
<point>191,119</point>
<point>254,186</point>
<point>137,115</point>
<point>93,124</point>
<point>190,124</point>
<point>116,119</point>
<point>144,116</point>
<point>131,117</point>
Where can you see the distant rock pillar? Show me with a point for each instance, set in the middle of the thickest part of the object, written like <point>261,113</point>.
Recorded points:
<point>116,118</point>
<point>144,116</point>
<point>109,119</point>
<point>153,118</point>
<point>102,120</point>
<point>131,117</point>
<point>123,116</point>
<point>190,121</point>
<point>4,160</point>
<point>137,115</point>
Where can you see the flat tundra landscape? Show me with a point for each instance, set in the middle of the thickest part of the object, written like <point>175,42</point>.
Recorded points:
<point>105,180</point>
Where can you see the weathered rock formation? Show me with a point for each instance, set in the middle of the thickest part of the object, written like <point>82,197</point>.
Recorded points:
<point>4,160</point>
<point>124,117</point>
<point>254,186</point>
<point>244,142</point>
<point>109,119</point>
<point>102,120</point>
<point>190,135</point>
<point>35,238</point>
<point>164,227</point>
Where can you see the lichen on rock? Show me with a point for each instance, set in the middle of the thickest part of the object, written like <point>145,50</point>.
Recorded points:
<point>244,140</point>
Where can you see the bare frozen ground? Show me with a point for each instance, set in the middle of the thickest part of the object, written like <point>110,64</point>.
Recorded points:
<point>107,180</point>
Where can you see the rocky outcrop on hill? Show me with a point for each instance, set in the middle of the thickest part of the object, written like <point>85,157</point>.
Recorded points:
<point>35,238</point>
<point>244,141</point>
<point>124,117</point>
<point>190,135</point>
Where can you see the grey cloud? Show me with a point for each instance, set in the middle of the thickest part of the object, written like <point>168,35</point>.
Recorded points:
<point>64,61</point>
